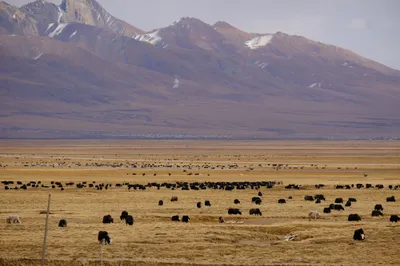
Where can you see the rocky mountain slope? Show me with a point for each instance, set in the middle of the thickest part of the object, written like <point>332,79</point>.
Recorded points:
<point>76,71</point>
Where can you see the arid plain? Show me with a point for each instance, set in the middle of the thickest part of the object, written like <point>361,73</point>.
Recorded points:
<point>155,240</point>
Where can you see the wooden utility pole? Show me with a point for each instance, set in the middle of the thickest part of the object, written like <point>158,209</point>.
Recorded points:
<point>101,254</point>
<point>45,230</point>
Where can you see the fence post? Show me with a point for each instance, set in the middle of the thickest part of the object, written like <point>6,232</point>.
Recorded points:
<point>122,259</point>
<point>45,230</point>
<point>101,254</point>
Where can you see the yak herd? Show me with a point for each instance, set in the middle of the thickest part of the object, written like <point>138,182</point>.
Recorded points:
<point>104,238</point>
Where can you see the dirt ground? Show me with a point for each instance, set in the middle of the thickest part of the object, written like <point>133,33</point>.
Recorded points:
<point>155,240</point>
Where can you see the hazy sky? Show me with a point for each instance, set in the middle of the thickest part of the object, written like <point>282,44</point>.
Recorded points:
<point>370,28</point>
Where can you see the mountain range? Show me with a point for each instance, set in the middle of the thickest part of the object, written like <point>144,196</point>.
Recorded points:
<point>73,71</point>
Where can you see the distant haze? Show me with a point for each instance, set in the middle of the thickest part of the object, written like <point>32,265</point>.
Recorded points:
<point>370,28</point>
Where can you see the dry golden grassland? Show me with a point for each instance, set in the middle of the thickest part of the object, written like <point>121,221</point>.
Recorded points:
<point>155,240</point>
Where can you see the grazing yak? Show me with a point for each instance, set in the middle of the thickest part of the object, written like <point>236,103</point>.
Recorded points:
<point>175,218</point>
<point>62,223</point>
<point>338,207</point>
<point>376,213</point>
<point>309,198</point>
<point>129,220</point>
<point>256,200</point>
<point>281,201</point>
<point>327,210</point>
<point>160,203</point>
<point>123,215</point>
<point>339,200</point>
<point>234,211</point>
<point>394,218</point>
<point>185,218</point>
<point>320,197</point>
<point>255,212</point>
<point>378,207</point>
<point>352,200</point>
<point>198,205</point>
<point>391,199</point>
<point>107,219</point>
<point>104,238</point>
<point>236,201</point>
<point>207,203</point>
<point>221,220</point>
<point>318,201</point>
<point>260,194</point>
<point>313,215</point>
<point>348,204</point>
<point>354,217</point>
<point>359,234</point>
<point>174,198</point>
<point>13,219</point>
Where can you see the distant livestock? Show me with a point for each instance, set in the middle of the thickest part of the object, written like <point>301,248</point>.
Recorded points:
<point>107,219</point>
<point>175,218</point>
<point>376,213</point>
<point>221,220</point>
<point>327,210</point>
<point>378,207</point>
<point>359,234</point>
<point>129,220</point>
<point>255,212</point>
<point>354,217</point>
<point>62,223</point>
<point>313,215</point>
<point>256,200</point>
<point>13,219</point>
<point>234,211</point>
<point>236,201</point>
<point>338,207</point>
<point>174,198</point>
<point>160,203</point>
<point>104,238</point>
<point>198,205</point>
<point>309,198</point>
<point>281,201</point>
<point>123,215</point>
<point>185,218</point>
<point>207,203</point>
<point>339,200</point>
<point>394,218</point>
<point>320,197</point>
<point>391,199</point>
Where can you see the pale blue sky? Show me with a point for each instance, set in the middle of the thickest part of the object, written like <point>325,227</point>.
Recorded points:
<point>370,28</point>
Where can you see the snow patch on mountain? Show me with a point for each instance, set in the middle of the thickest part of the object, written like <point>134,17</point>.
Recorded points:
<point>50,26</point>
<point>317,84</point>
<point>261,64</point>
<point>176,83</point>
<point>58,30</point>
<point>38,56</point>
<point>151,38</point>
<point>73,34</point>
<point>259,41</point>
<point>60,14</point>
